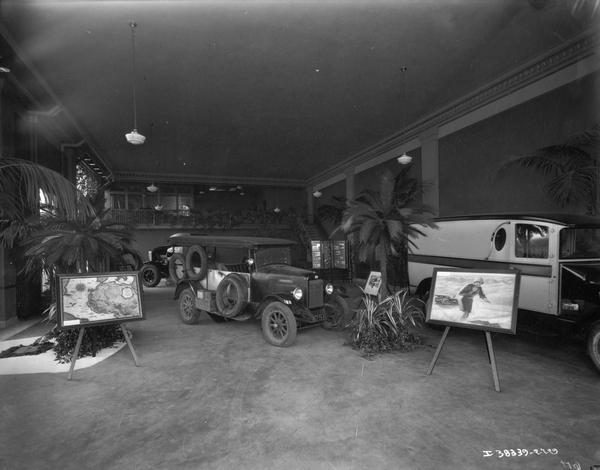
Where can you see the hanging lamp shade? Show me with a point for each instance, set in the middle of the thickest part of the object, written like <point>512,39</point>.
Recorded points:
<point>152,188</point>
<point>134,137</point>
<point>404,159</point>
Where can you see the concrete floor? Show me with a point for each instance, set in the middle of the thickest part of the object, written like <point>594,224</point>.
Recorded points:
<point>216,396</point>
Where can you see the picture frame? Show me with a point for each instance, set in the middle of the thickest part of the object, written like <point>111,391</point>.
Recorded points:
<point>98,298</point>
<point>373,283</point>
<point>477,299</point>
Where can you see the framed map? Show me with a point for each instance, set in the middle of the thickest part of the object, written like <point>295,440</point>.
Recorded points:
<point>91,299</point>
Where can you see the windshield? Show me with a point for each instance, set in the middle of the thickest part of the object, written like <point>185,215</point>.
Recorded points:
<point>578,243</point>
<point>280,254</point>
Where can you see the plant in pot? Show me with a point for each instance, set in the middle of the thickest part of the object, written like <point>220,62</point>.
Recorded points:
<point>385,221</point>
<point>87,245</point>
<point>386,325</point>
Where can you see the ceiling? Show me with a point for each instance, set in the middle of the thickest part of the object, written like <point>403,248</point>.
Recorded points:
<point>267,91</point>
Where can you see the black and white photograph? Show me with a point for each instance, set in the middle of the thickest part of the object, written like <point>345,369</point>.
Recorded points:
<point>361,234</point>
<point>472,299</point>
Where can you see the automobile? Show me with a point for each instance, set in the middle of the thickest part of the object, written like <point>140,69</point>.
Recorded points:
<point>233,278</point>
<point>557,256</point>
<point>158,266</point>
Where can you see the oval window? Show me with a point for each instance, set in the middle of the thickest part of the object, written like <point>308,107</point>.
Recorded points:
<point>500,239</point>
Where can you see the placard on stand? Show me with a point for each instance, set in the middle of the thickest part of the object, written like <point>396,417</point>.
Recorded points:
<point>483,300</point>
<point>87,300</point>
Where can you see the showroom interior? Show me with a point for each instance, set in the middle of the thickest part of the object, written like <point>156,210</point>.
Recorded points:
<point>251,118</point>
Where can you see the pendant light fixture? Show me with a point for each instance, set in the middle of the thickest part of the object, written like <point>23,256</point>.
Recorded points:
<point>404,159</point>
<point>134,137</point>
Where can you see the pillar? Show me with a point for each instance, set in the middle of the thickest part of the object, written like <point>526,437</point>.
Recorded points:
<point>430,168</point>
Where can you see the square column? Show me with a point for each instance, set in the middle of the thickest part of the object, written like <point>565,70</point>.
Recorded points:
<point>430,168</point>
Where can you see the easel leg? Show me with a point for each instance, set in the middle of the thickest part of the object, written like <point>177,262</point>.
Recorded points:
<point>488,339</point>
<point>126,334</point>
<point>487,347</point>
<point>438,350</point>
<point>76,352</point>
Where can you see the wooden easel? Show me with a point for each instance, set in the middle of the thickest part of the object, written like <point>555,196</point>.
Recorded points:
<point>490,351</point>
<point>126,334</point>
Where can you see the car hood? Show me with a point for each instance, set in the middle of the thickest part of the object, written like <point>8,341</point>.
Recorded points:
<point>286,270</point>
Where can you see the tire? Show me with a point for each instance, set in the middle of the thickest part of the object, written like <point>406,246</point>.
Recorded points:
<point>177,267</point>
<point>278,324</point>
<point>337,313</point>
<point>231,295</point>
<point>593,345</point>
<point>150,275</point>
<point>192,269</point>
<point>188,312</point>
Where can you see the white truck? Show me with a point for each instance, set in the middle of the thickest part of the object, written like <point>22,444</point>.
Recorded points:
<point>557,255</point>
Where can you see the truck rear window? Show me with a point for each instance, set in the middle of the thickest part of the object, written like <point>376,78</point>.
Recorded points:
<point>578,243</point>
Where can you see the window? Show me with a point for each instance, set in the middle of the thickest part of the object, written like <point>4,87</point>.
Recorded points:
<point>580,243</point>
<point>499,239</point>
<point>531,241</point>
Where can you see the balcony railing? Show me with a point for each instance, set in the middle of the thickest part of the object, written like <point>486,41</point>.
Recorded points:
<point>187,218</point>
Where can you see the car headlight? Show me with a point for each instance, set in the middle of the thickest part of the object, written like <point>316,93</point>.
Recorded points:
<point>329,289</point>
<point>297,293</point>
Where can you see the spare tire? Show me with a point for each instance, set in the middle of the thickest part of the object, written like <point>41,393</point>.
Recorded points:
<point>177,267</point>
<point>231,295</point>
<point>196,263</point>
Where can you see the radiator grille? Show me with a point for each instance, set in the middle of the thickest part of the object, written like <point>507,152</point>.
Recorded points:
<point>315,293</point>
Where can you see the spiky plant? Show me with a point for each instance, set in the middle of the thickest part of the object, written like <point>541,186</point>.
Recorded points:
<point>386,325</point>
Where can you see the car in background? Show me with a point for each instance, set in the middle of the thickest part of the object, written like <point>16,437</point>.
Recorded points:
<point>243,278</point>
<point>158,266</point>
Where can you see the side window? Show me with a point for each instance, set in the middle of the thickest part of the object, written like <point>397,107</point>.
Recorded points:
<point>500,239</point>
<point>531,241</point>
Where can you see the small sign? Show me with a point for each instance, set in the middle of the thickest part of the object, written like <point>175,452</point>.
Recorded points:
<point>373,283</point>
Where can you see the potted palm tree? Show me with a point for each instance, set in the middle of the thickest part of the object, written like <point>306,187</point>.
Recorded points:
<point>571,166</point>
<point>70,234</point>
<point>386,220</point>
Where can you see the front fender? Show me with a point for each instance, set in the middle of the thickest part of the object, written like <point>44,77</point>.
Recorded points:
<point>181,285</point>
<point>286,299</point>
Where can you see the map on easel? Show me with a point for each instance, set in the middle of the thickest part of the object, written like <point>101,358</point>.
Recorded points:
<point>90,299</point>
<point>86,300</point>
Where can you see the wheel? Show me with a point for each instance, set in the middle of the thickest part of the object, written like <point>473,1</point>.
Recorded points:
<point>279,324</point>
<point>337,312</point>
<point>177,267</point>
<point>593,344</point>
<point>217,318</point>
<point>150,275</point>
<point>231,295</point>
<point>196,263</point>
<point>188,312</point>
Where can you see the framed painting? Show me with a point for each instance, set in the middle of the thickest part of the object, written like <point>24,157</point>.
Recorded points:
<point>478,299</point>
<point>98,298</point>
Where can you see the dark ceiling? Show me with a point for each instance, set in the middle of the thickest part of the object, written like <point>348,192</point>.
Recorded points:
<point>270,90</point>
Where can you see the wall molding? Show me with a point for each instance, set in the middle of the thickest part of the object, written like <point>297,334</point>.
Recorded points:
<point>131,177</point>
<point>568,62</point>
